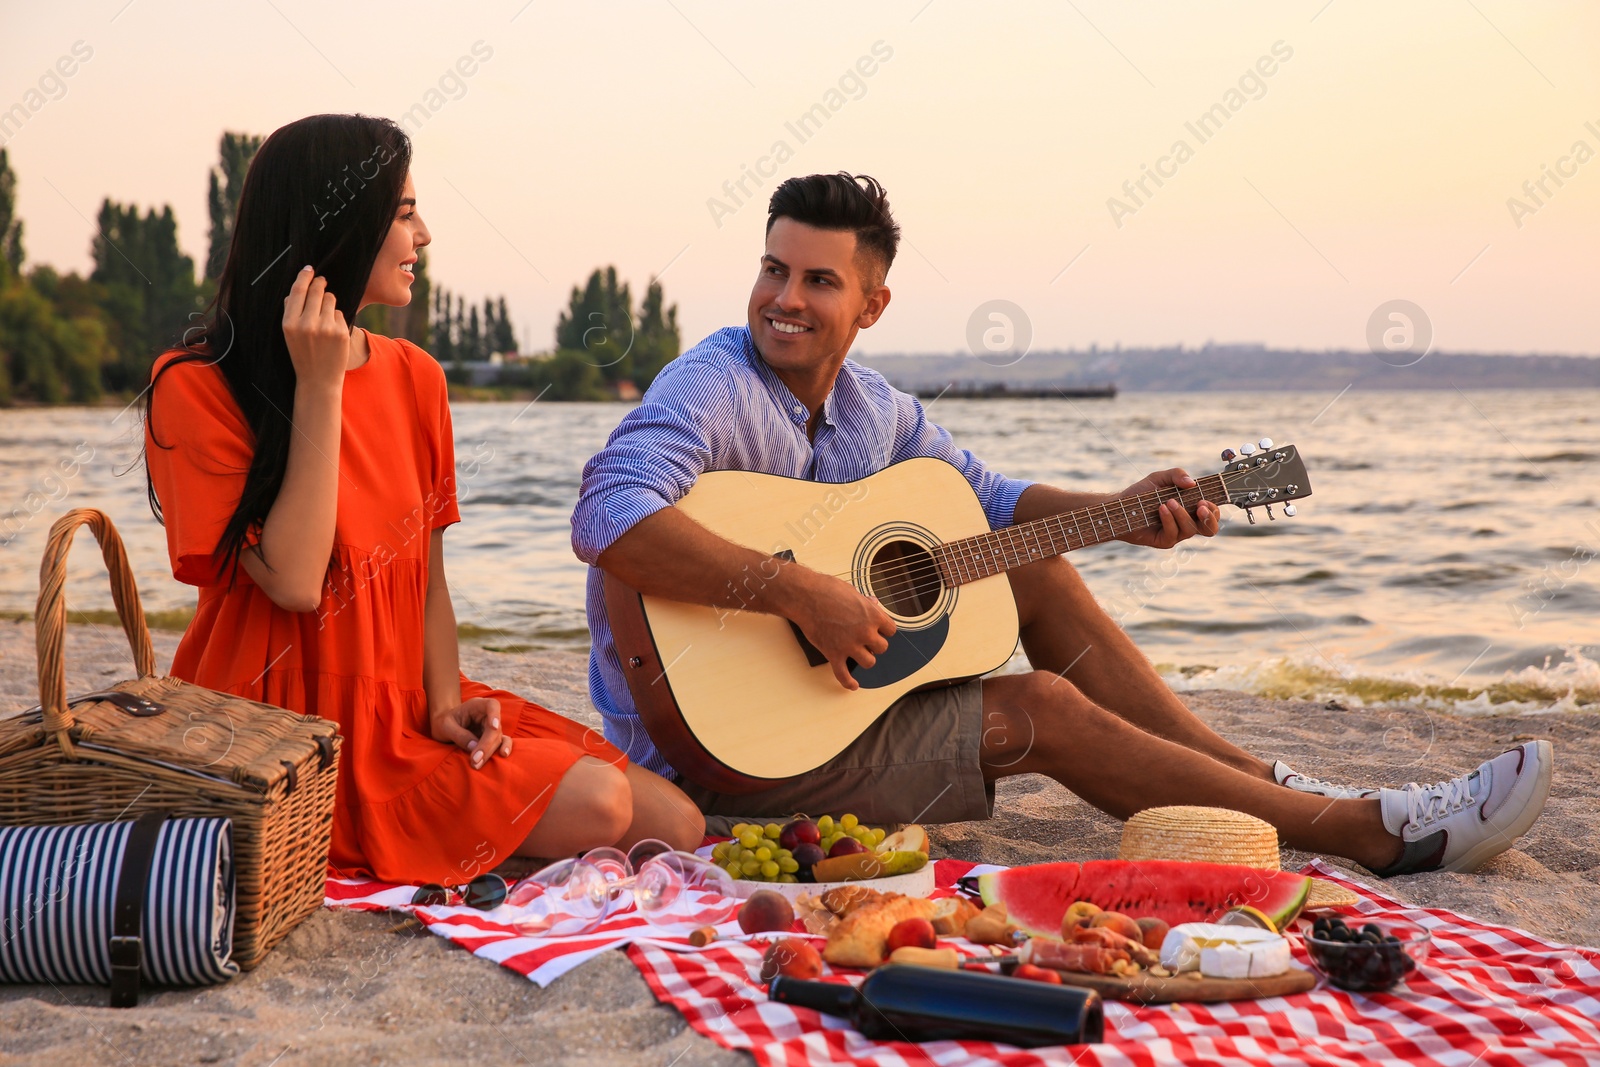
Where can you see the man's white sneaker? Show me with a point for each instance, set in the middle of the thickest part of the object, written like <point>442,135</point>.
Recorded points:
<point>1304,783</point>
<point>1461,824</point>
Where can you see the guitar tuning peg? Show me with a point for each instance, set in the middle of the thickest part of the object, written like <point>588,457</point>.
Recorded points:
<point>1266,443</point>
<point>1228,454</point>
<point>1247,449</point>
<point>1250,514</point>
<point>1270,515</point>
<point>1289,510</point>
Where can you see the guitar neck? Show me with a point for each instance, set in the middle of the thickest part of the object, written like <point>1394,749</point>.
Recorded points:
<point>972,558</point>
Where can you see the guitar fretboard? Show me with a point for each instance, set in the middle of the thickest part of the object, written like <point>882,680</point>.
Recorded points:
<point>972,558</point>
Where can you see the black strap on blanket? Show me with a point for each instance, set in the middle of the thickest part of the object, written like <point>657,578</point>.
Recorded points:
<point>127,944</point>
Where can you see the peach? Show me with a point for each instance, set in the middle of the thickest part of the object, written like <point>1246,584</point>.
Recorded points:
<point>1077,916</point>
<point>1155,932</point>
<point>792,958</point>
<point>766,912</point>
<point>1120,923</point>
<point>913,933</point>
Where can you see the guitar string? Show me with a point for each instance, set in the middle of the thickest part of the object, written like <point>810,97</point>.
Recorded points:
<point>912,578</point>
<point>965,562</point>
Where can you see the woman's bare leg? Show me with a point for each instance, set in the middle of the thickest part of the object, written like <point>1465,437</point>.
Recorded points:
<point>596,804</point>
<point>661,810</point>
<point>592,806</point>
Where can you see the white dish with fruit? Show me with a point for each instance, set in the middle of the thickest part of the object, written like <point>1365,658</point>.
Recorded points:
<point>811,856</point>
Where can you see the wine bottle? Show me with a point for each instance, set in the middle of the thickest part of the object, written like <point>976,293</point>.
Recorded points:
<point>904,1003</point>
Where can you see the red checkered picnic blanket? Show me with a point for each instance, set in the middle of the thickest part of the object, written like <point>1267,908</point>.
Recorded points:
<point>1486,995</point>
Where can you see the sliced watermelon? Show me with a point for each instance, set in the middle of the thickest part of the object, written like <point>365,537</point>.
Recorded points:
<point>1036,896</point>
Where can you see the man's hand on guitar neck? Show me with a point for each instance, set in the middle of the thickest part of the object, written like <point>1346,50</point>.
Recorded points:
<point>1176,522</point>
<point>667,554</point>
<point>1039,501</point>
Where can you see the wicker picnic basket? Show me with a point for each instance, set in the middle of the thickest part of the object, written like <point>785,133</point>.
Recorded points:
<point>159,744</point>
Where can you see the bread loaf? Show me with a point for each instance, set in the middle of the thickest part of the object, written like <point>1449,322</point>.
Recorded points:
<point>861,939</point>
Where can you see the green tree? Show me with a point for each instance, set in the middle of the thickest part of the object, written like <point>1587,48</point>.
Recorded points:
<point>234,151</point>
<point>48,357</point>
<point>52,331</point>
<point>658,342</point>
<point>442,330</point>
<point>601,325</point>
<point>149,284</point>
<point>598,324</point>
<point>505,338</point>
<point>565,375</point>
<point>474,338</point>
<point>10,225</point>
<point>461,350</point>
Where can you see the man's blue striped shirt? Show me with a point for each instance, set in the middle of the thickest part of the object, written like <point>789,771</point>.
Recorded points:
<point>719,406</point>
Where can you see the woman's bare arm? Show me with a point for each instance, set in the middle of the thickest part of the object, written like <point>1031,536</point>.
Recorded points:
<point>473,726</point>
<point>290,563</point>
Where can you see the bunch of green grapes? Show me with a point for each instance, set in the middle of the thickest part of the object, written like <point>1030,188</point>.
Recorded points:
<point>848,826</point>
<point>754,854</point>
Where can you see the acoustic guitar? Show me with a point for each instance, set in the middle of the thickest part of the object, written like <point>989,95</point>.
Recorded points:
<point>739,700</point>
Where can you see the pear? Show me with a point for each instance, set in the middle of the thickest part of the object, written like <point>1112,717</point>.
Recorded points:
<point>909,838</point>
<point>857,866</point>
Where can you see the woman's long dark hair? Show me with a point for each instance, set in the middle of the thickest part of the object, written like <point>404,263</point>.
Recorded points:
<point>324,191</point>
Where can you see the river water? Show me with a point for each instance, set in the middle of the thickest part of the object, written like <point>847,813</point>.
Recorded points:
<point>1450,554</point>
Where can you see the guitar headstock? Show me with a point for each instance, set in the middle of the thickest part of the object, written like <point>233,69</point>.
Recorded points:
<point>1264,475</point>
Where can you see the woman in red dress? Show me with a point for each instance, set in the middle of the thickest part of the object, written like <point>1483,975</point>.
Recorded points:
<point>305,473</point>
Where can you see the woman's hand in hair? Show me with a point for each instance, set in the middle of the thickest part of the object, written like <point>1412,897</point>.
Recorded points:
<point>316,332</point>
<point>472,726</point>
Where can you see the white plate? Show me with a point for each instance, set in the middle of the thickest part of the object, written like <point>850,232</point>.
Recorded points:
<point>916,884</point>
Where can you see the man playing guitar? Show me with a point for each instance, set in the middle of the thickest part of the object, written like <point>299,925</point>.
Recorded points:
<point>778,395</point>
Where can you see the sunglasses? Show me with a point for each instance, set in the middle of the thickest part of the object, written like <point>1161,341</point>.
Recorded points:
<point>485,892</point>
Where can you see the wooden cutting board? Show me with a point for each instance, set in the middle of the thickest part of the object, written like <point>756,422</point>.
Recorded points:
<point>1146,989</point>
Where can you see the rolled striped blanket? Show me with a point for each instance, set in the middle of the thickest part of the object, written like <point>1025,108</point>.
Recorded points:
<point>58,885</point>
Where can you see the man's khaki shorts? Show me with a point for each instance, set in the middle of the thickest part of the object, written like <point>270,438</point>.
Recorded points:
<point>918,763</point>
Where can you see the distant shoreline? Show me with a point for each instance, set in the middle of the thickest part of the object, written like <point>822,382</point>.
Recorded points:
<point>1215,369</point>
<point>1239,368</point>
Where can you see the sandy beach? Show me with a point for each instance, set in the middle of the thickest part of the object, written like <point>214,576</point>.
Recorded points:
<point>349,988</point>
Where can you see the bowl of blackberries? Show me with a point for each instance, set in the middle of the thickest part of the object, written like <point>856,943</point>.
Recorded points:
<point>1368,958</point>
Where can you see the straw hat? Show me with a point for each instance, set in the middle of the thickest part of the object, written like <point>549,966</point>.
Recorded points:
<point>1216,835</point>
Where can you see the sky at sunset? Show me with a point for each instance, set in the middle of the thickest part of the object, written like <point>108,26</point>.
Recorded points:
<point>1135,174</point>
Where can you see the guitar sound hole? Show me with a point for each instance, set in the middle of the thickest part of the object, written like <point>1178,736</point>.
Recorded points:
<point>905,579</point>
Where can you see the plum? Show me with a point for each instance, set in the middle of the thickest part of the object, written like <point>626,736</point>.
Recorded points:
<point>846,846</point>
<point>798,832</point>
<point>807,856</point>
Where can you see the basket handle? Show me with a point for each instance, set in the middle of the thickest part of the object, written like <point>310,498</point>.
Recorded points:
<point>50,616</point>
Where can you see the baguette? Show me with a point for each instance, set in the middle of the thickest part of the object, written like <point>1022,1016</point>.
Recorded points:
<point>950,916</point>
